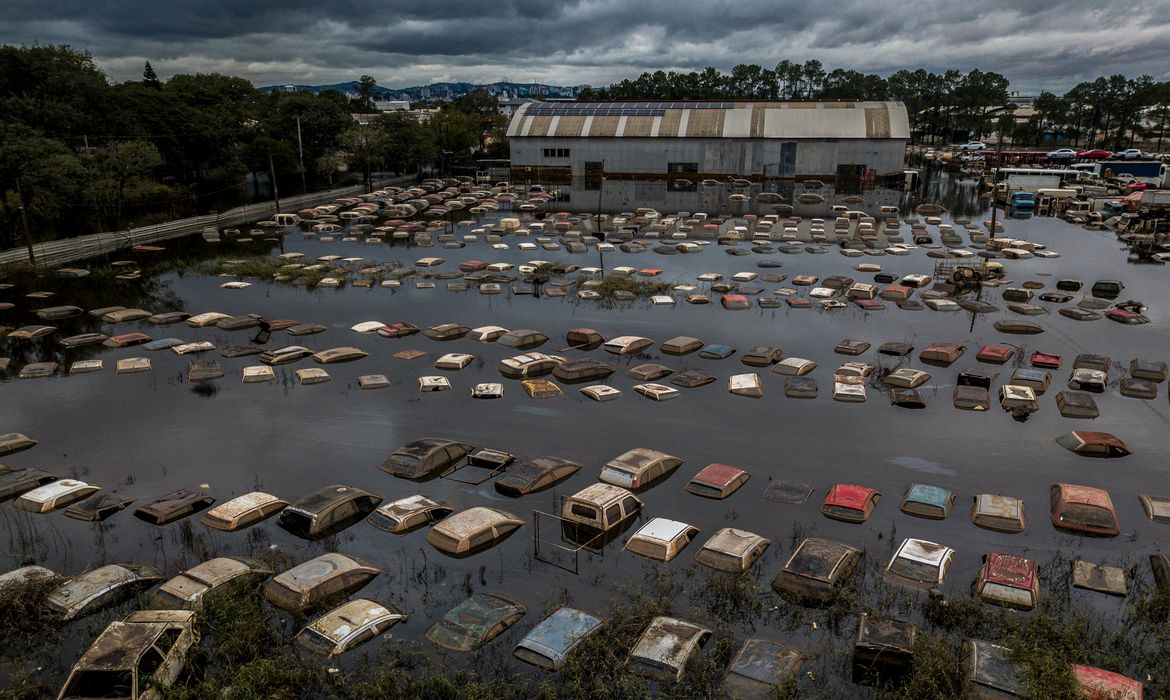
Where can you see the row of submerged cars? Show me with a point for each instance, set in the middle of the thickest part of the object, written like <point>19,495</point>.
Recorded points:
<point>151,643</point>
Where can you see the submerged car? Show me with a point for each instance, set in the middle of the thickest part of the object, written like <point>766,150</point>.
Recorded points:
<point>54,495</point>
<point>732,549</point>
<point>220,576</point>
<point>472,530</point>
<point>407,514</point>
<point>475,622</point>
<point>816,571</point>
<point>1092,444</point>
<point>425,457</point>
<point>173,506</point>
<point>535,474</point>
<point>136,658</point>
<point>1083,510</point>
<point>758,668</point>
<point>920,564</point>
<point>327,511</point>
<point>550,642</point>
<point>661,539</point>
<point>243,511</point>
<point>347,626</point>
<point>850,503</point>
<point>315,582</point>
<point>639,468</point>
<point>666,648</point>
<point>1009,581</point>
<point>101,587</point>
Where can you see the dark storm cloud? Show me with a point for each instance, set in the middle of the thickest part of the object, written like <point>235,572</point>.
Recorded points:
<point>1037,44</point>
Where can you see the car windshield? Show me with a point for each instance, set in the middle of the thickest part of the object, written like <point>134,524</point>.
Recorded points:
<point>914,570</point>
<point>1084,514</point>
<point>843,512</point>
<point>617,476</point>
<point>100,684</point>
<point>316,642</point>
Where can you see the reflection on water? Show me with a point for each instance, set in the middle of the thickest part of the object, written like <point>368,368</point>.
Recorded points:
<point>147,434</point>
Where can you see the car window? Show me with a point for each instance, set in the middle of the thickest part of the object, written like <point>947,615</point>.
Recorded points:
<point>148,664</point>
<point>482,538</point>
<point>613,513</point>
<point>583,511</point>
<point>167,640</point>
<point>630,505</point>
<point>342,512</point>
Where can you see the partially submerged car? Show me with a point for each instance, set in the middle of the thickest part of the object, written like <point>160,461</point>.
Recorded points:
<point>54,495</point>
<point>627,345</point>
<point>347,626</point>
<point>850,503</point>
<point>136,658</point>
<point>98,508</point>
<point>1099,684</point>
<point>661,539</point>
<point>758,668</point>
<point>816,571</point>
<point>989,672</point>
<point>243,511</point>
<point>425,457</point>
<point>928,501</point>
<point>173,506</point>
<point>883,646</point>
<point>717,481</point>
<point>920,564</point>
<point>528,365</point>
<point>999,513</point>
<point>522,339</point>
<point>475,622</point>
<point>315,582</point>
<point>473,530</point>
<point>215,577</point>
<point>285,355</point>
<point>1083,510</point>
<point>733,550</point>
<point>1093,444</point>
<point>1009,581</point>
<point>408,514</point>
<point>101,587</point>
<point>550,642</point>
<point>639,468</point>
<point>600,508</point>
<point>327,511</point>
<point>11,443</point>
<point>666,647</point>
<point>535,474</point>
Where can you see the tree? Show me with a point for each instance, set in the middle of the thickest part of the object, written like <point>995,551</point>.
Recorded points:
<point>149,77</point>
<point>366,90</point>
<point>120,174</point>
<point>38,173</point>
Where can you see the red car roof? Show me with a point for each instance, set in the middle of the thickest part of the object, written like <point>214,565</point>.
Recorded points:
<point>1010,570</point>
<point>719,475</point>
<point>849,496</point>
<point>1073,493</point>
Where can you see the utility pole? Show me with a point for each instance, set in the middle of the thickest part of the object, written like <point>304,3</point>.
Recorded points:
<point>301,157</point>
<point>32,258</point>
<point>272,176</point>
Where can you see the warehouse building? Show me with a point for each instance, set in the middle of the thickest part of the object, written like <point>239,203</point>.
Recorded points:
<point>684,143</point>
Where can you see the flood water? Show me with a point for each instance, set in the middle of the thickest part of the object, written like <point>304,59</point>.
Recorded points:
<point>147,434</point>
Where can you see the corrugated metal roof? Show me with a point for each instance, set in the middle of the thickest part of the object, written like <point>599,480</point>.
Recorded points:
<point>778,120</point>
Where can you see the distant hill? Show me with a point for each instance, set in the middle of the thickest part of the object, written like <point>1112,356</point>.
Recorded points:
<point>441,91</point>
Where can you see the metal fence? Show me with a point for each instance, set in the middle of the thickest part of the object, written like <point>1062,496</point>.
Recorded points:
<point>67,250</point>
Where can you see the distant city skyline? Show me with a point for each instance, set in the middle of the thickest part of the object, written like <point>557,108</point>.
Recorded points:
<point>1038,45</point>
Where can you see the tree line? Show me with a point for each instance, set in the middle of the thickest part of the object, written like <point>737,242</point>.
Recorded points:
<point>1113,111</point>
<point>80,154</point>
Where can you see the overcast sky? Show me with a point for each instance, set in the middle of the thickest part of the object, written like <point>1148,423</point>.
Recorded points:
<point>1037,44</point>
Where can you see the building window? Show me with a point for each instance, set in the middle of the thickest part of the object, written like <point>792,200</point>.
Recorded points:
<point>594,170</point>
<point>556,153</point>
